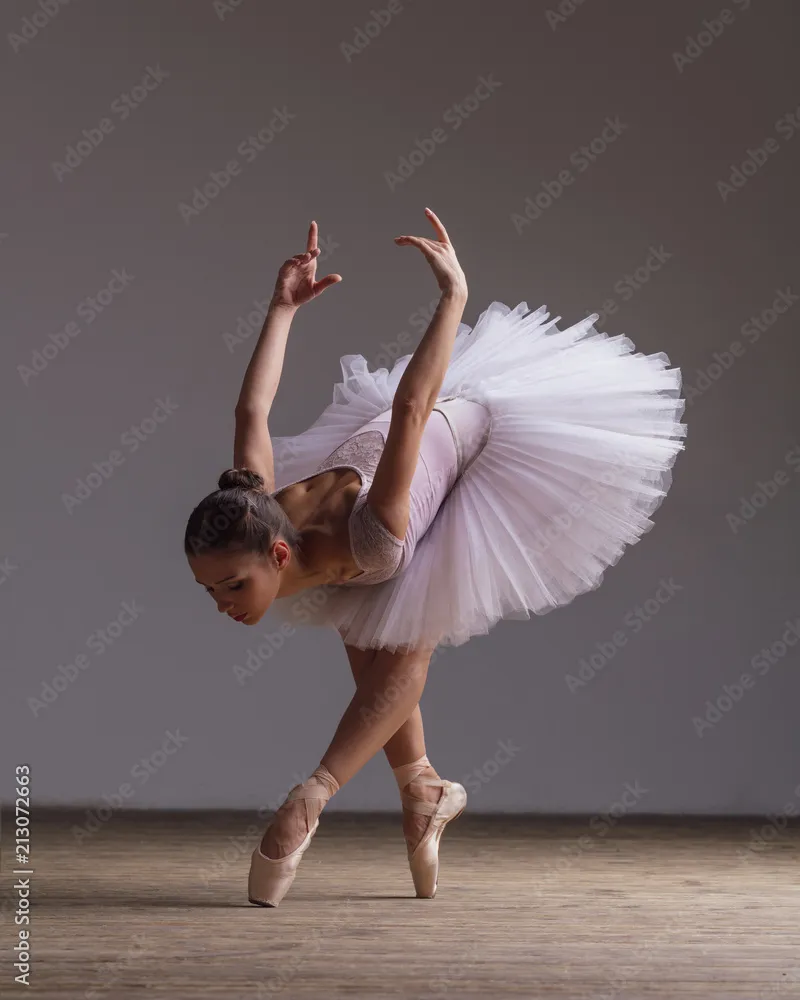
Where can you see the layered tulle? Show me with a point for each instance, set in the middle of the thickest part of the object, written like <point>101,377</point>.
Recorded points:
<point>583,436</point>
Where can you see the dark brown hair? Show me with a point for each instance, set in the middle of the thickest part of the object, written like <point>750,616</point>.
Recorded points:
<point>240,515</point>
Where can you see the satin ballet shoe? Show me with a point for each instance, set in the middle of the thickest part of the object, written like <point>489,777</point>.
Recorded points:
<point>424,859</point>
<point>270,878</point>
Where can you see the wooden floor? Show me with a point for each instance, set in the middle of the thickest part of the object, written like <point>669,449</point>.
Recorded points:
<point>155,906</point>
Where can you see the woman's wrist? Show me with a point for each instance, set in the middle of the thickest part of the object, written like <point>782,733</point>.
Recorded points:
<point>278,305</point>
<point>455,293</point>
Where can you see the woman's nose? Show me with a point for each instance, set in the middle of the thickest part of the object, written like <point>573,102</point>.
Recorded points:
<point>223,608</point>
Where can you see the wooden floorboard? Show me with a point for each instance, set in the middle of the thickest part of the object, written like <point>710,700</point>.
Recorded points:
<point>155,906</point>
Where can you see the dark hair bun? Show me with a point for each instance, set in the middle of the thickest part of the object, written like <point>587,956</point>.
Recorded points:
<point>241,479</point>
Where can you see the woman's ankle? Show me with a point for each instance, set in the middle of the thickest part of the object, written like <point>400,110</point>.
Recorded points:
<point>430,773</point>
<point>323,776</point>
<point>297,815</point>
<point>420,787</point>
<point>404,774</point>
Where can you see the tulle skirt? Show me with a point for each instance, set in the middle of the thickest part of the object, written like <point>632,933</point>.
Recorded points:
<point>584,433</point>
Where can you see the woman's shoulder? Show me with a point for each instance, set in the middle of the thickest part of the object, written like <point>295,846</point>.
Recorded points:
<point>362,451</point>
<point>376,550</point>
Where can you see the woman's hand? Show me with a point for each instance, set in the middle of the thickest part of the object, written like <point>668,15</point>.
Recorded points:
<point>440,255</point>
<point>296,282</point>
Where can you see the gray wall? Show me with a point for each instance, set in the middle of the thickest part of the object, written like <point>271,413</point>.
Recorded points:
<point>654,203</point>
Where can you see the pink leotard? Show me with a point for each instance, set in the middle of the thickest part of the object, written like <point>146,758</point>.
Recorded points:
<point>454,435</point>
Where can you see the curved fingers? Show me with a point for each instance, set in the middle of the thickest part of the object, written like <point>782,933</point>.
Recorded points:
<point>425,245</point>
<point>441,232</point>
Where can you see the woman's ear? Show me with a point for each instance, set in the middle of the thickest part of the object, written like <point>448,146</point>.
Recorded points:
<point>281,553</point>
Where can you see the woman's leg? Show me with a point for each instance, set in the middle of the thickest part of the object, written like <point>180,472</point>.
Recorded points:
<point>386,697</point>
<point>407,744</point>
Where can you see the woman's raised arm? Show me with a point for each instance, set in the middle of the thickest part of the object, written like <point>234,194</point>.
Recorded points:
<point>263,375</point>
<point>419,385</point>
<point>295,285</point>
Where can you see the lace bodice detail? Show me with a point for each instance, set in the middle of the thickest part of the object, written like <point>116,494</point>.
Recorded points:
<point>375,549</point>
<point>362,452</point>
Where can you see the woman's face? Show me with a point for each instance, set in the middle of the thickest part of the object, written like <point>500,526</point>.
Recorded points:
<point>243,584</point>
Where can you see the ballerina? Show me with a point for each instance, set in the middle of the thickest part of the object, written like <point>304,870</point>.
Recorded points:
<point>493,473</point>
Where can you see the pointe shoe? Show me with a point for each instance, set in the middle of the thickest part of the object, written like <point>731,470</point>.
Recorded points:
<point>270,878</point>
<point>424,859</point>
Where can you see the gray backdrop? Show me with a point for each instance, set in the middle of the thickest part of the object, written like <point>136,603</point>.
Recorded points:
<point>163,159</point>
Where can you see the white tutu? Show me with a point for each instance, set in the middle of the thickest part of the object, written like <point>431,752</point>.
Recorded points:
<point>584,433</point>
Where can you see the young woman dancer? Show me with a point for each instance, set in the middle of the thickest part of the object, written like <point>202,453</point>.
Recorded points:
<point>495,472</point>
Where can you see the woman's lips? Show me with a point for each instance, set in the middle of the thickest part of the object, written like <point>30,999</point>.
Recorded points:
<point>238,618</point>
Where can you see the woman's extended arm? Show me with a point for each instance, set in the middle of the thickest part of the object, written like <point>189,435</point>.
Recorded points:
<point>420,383</point>
<point>295,285</point>
<point>263,374</point>
<point>418,388</point>
<point>422,379</point>
<point>252,444</point>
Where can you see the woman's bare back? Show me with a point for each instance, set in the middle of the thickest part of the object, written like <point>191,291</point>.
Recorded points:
<point>320,508</point>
